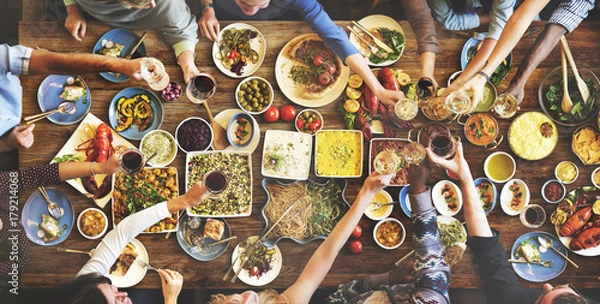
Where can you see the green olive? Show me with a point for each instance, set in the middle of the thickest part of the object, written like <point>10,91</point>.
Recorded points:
<point>254,81</point>
<point>243,86</point>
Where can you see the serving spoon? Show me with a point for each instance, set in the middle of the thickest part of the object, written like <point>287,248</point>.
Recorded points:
<point>581,85</point>
<point>379,205</point>
<point>220,141</point>
<point>567,104</point>
<point>546,242</point>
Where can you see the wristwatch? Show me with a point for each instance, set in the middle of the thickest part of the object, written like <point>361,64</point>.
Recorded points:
<point>205,6</point>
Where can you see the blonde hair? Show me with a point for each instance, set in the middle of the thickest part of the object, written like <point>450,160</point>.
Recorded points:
<point>267,296</point>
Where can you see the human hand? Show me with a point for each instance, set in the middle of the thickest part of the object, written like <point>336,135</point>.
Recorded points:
<point>209,25</point>
<point>418,175</point>
<point>190,72</point>
<point>75,22</point>
<point>196,194</point>
<point>402,274</point>
<point>389,97</point>
<point>377,181</point>
<point>132,68</point>
<point>475,86</point>
<point>515,90</point>
<point>172,281</point>
<point>19,137</point>
<point>110,166</point>
<point>458,164</point>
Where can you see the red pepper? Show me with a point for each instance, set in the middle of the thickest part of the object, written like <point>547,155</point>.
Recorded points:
<point>232,54</point>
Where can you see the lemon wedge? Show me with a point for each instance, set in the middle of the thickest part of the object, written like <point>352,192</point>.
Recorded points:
<point>596,207</point>
<point>352,93</point>
<point>351,105</point>
<point>354,81</point>
<point>403,78</point>
<point>558,217</point>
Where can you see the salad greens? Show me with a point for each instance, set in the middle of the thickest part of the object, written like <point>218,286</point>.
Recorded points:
<point>581,110</point>
<point>500,72</point>
<point>392,38</point>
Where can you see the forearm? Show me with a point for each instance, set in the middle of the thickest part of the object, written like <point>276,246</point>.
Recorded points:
<point>484,18</point>
<point>541,48</point>
<point>358,65</point>
<point>45,62</point>
<point>428,64</point>
<point>477,63</point>
<point>477,224</point>
<point>71,170</point>
<point>421,22</point>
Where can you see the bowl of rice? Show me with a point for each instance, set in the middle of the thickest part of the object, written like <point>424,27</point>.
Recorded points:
<point>163,144</point>
<point>532,136</point>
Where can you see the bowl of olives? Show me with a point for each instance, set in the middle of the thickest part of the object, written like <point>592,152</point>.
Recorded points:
<point>254,95</point>
<point>309,121</point>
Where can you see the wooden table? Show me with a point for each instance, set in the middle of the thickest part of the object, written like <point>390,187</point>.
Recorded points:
<point>49,138</point>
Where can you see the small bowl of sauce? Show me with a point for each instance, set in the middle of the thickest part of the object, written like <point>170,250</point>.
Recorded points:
<point>566,172</point>
<point>553,191</point>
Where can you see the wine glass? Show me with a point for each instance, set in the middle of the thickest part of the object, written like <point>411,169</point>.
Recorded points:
<point>424,91</point>
<point>413,153</point>
<point>459,102</point>
<point>201,88</point>
<point>132,161</point>
<point>153,71</point>
<point>506,106</point>
<point>405,109</point>
<point>441,142</point>
<point>215,183</point>
<point>386,162</point>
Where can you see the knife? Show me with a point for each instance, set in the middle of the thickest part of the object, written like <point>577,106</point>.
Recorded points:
<point>133,49</point>
<point>379,43</point>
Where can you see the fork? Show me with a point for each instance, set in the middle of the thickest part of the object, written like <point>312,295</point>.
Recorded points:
<point>374,50</point>
<point>53,207</point>
<point>145,264</point>
<point>547,264</point>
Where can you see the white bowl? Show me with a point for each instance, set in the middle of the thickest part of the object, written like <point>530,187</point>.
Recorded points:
<point>561,185</point>
<point>506,197</point>
<point>596,171</point>
<point>166,141</point>
<point>382,197</point>
<point>499,155</point>
<point>247,81</point>
<point>177,135</point>
<point>307,129</point>
<point>232,126</point>
<point>439,199</point>
<point>80,217</point>
<point>562,179</point>
<point>401,238</point>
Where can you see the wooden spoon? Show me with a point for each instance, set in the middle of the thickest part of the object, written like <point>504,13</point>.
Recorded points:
<point>220,141</point>
<point>581,85</point>
<point>567,104</point>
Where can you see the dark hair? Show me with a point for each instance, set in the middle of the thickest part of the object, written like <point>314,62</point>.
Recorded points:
<point>83,290</point>
<point>569,298</point>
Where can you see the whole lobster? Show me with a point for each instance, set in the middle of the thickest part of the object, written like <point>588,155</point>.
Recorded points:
<point>586,239</point>
<point>98,148</point>
<point>576,222</point>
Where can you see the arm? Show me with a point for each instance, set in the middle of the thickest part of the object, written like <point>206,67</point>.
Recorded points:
<point>46,62</point>
<point>474,66</point>
<point>75,22</point>
<point>113,243</point>
<point>319,264</point>
<point>358,64</point>
<point>70,170</point>
<point>208,23</point>
<point>450,20</point>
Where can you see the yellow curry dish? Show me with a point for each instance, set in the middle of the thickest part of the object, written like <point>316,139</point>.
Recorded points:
<point>532,136</point>
<point>338,153</point>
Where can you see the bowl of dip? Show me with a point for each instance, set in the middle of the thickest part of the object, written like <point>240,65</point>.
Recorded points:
<point>553,191</point>
<point>566,172</point>
<point>499,167</point>
<point>381,197</point>
<point>595,177</point>
<point>240,129</point>
<point>163,144</point>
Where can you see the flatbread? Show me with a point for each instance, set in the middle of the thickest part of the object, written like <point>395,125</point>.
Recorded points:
<point>302,54</point>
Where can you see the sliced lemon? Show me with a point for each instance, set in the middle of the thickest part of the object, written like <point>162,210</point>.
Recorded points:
<point>596,207</point>
<point>354,81</point>
<point>353,93</point>
<point>558,217</point>
<point>351,105</point>
<point>403,78</point>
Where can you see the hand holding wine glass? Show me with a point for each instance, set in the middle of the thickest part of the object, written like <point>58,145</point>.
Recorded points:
<point>153,71</point>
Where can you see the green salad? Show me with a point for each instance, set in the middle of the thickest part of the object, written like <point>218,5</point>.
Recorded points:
<point>393,39</point>
<point>581,110</point>
<point>500,72</point>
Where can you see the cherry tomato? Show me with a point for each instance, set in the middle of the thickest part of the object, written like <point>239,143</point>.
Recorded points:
<point>272,114</point>
<point>232,54</point>
<point>357,232</point>
<point>330,68</point>
<point>254,271</point>
<point>300,124</point>
<point>324,78</point>
<point>318,60</point>
<point>288,113</point>
<point>315,125</point>
<point>355,246</point>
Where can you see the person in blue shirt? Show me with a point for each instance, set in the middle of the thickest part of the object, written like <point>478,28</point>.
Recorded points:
<point>312,12</point>
<point>21,60</point>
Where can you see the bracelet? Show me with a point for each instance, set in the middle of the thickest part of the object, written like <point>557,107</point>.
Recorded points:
<point>92,169</point>
<point>486,76</point>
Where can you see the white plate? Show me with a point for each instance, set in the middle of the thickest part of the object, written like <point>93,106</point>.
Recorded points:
<point>288,87</point>
<point>136,272</point>
<point>266,278</point>
<point>259,44</point>
<point>506,197</point>
<point>439,201</point>
<point>294,150</point>
<point>81,135</point>
<point>375,21</point>
<point>223,118</point>
<point>441,219</point>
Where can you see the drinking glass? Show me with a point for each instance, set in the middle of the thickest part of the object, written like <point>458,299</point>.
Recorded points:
<point>436,109</point>
<point>505,106</point>
<point>386,162</point>
<point>533,216</point>
<point>441,142</point>
<point>413,153</point>
<point>459,102</point>
<point>153,71</point>
<point>201,88</point>
<point>424,91</point>
<point>132,161</point>
<point>405,109</point>
<point>215,182</point>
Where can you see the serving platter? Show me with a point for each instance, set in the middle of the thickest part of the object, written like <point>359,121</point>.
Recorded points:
<point>36,205</point>
<point>223,117</point>
<point>404,201</point>
<point>286,154</point>
<point>258,44</point>
<point>492,192</point>
<point>207,254</point>
<point>266,278</point>
<point>48,97</point>
<point>83,133</point>
<point>506,197</point>
<point>566,240</point>
<point>126,38</point>
<point>442,191</point>
<point>539,273</point>
<point>339,153</point>
<point>291,90</point>
<point>526,139</point>
<point>379,144</point>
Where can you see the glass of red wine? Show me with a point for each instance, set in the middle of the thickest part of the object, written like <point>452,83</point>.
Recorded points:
<point>132,161</point>
<point>442,143</point>
<point>533,216</point>
<point>201,88</point>
<point>215,183</point>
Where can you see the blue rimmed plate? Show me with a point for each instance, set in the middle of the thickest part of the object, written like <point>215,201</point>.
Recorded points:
<point>404,201</point>
<point>331,192</point>
<point>470,48</point>
<point>36,205</point>
<point>209,253</point>
<point>133,132</point>
<point>539,273</point>
<point>48,99</point>
<point>486,194</point>
<point>126,38</point>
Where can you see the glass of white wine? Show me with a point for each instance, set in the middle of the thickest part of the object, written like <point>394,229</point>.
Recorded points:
<point>386,162</point>
<point>390,161</point>
<point>459,102</point>
<point>506,106</point>
<point>414,153</point>
<point>153,71</point>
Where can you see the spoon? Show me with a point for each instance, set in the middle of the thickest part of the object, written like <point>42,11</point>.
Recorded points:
<point>546,242</point>
<point>201,246</point>
<point>220,141</point>
<point>66,107</point>
<point>547,264</point>
<point>90,253</point>
<point>581,85</point>
<point>567,104</point>
<point>379,205</point>
<point>375,50</point>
